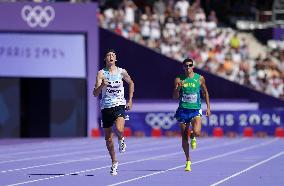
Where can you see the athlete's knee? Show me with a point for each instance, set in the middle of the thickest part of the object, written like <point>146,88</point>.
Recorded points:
<point>120,130</point>
<point>196,132</point>
<point>108,139</point>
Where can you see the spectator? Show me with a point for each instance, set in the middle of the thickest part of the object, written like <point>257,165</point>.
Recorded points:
<point>235,42</point>
<point>182,6</point>
<point>183,31</point>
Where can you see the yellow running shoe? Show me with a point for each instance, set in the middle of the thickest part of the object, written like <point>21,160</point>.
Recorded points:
<point>187,166</point>
<point>193,143</point>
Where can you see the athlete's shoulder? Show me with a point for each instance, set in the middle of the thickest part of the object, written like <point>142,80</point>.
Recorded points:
<point>121,70</point>
<point>196,74</point>
<point>202,79</point>
<point>200,76</point>
<point>101,71</point>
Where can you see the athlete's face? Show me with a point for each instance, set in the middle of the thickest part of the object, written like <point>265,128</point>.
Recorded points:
<point>110,58</point>
<point>188,66</point>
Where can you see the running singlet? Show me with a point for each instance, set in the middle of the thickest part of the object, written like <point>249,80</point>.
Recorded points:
<point>113,93</point>
<point>190,92</point>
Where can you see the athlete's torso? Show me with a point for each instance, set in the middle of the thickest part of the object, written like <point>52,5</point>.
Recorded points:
<point>190,92</point>
<point>113,93</point>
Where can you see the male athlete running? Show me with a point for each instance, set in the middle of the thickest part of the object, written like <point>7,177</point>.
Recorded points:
<point>113,104</point>
<point>187,90</point>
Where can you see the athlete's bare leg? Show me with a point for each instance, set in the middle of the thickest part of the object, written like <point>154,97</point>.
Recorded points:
<point>120,127</point>
<point>196,126</point>
<point>120,133</point>
<point>109,143</point>
<point>184,135</point>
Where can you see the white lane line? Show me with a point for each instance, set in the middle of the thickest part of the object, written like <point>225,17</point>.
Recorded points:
<point>86,159</point>
<point>167,145</point>
<point>35,145</point>
<point>55,147</point>
<point>197,162</point>
<point>66,154</point>
<point>46,150</point>
<point>74,153</point>
<point>125,163</point>
<point>249,168</point>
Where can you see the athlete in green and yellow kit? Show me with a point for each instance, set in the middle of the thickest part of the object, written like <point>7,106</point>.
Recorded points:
<point>187,90</point>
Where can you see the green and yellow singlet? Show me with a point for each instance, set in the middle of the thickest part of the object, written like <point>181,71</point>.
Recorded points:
<point>190,92</point>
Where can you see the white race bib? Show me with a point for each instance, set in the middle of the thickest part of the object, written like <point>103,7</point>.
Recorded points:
<point>189,98</point>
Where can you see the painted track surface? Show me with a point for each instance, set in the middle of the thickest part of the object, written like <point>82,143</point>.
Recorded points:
<point>148,161</point>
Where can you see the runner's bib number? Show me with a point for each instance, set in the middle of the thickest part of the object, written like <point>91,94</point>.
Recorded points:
<point>189,98</point>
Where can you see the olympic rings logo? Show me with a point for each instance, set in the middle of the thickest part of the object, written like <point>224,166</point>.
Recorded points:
<point>38,16</point>
<point>160,120</point>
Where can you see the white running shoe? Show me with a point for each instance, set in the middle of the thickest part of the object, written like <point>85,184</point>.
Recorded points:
<point>121,145</point>
<point>113,169</point>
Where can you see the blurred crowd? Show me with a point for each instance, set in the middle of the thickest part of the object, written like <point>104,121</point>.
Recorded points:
<point>179,29</point>
<point>50,1</point>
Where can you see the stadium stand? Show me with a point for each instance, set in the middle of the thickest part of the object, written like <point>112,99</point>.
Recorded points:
<point>178,29</point>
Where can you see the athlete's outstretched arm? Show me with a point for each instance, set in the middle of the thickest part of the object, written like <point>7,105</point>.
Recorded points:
<point>177,87</point>
<point>100,83</point>
<point>205,95</point>
<point>128,79</point>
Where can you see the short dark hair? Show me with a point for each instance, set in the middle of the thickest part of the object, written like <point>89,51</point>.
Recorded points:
<point>111,50</point>
<point>108,51</point>
<point>188,60</point>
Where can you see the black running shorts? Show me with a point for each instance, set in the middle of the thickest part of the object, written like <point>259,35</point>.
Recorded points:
<point>109,115</point>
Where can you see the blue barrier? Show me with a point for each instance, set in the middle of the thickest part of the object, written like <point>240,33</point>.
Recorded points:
<point>230,121</point>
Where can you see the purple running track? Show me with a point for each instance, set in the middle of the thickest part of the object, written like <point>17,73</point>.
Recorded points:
<point>147,161</point>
